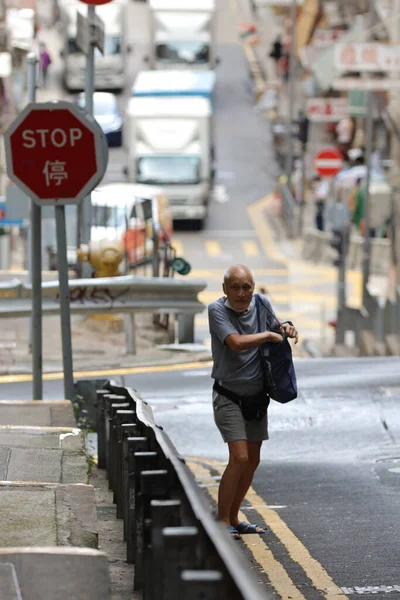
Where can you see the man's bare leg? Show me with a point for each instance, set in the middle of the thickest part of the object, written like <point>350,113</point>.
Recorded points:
<point>238,460</point>
<point>253,453</point>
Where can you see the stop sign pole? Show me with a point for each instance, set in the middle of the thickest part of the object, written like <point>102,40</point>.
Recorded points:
<point>35,264</point>
<point>56,153</point>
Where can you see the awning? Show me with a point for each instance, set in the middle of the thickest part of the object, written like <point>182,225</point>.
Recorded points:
<point>306,22</point>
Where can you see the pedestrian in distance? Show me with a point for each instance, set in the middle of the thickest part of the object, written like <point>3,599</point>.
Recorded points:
<point>45,62</point>
<point>321,193</point>
<point>236,341</point>
<point>276,53</point>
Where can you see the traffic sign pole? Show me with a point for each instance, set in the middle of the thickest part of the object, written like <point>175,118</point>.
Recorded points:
<point>35,265</point>
<point>85,208</point>
<point>368,152</point>
<point>64,302</point>
<point>292,90</point>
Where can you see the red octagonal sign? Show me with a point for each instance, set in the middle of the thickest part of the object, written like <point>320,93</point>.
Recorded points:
<point>55,153</point>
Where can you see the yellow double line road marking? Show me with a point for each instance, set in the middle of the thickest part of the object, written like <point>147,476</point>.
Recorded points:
<point>275,571</point>
<point>263,555</point>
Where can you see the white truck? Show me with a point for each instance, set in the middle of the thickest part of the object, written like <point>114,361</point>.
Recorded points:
<point>169,143</point>
<point>110,67</point>
<point>182,34</point>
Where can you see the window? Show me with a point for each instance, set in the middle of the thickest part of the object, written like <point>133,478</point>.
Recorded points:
<point>183,52</point>
<point>168,170</point>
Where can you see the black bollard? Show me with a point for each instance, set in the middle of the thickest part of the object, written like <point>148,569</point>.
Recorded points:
<point>111,441</point>
<point>181,552</point>
<point>153,486</point>
<point>201,585</point>
<point>133,446</point>
<point>127,430</point>
<point>163,513</point>
<point>101,428</point>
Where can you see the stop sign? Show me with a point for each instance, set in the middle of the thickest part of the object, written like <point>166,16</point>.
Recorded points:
<point>328,162</point>
<point>55,153</point>
<point>96,2</point>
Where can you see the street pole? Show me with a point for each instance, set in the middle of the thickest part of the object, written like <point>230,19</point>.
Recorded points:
<point>85,209</point>
<point>64,302</point>
<point>342,283</point>
<point>300,194</point>
<point>292,91</point>
<point>35,263</point>
<point>368,152</point>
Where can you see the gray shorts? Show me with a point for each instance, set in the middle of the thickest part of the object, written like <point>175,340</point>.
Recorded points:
<point>231,424</point>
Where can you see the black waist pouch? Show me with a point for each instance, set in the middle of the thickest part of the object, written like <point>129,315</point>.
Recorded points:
<point>253,408</point>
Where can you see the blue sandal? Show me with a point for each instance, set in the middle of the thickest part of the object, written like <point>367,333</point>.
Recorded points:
<point>234,532</point>
<point>244,528</point>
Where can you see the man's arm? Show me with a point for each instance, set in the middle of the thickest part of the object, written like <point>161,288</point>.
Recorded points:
<point>238,342</point>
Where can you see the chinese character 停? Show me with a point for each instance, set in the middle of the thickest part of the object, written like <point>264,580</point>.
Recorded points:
<point>56,171</point>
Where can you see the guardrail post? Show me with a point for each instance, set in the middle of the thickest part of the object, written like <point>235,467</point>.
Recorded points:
<point>111,441</point>
<point>101,428</point>
<point>185,328</point>
<point>164,513</point>
<point>154,486</point>
<point>180,553</point>
<point>109,399</point>
<point>207,585</point>
<point>143,461</point>
<point>127,430</point>
<point>379,320</point>
<point>131,446</point>
<point>121,417</point>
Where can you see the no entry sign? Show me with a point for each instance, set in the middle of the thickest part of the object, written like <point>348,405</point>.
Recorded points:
<point>55,153</point>
<point>328,162</point>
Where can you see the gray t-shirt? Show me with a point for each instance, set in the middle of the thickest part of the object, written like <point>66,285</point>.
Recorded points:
<point>238,371</point>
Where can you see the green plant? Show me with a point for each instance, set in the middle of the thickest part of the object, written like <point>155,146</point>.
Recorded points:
<point>91,461</point>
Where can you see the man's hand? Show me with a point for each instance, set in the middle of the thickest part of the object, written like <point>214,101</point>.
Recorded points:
<point>291,332</point>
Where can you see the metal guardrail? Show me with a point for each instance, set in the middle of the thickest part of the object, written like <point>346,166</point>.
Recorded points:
<point>125,294</point>
<point>379,315</point>
<point>179,550</point>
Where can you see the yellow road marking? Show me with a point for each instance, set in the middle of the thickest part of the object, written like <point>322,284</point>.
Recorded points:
<point>297,551</point>
<point>177,244</point>
<point>219,273</point>
<point>263,230</point>
<point>23,378</point>
<point>250,248</point>
<point>213,248</point>
<point>276,573</point>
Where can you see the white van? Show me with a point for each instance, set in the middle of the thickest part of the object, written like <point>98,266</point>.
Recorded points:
<point>110,67</point>
<point>182,34</point>
<point>169,143</point>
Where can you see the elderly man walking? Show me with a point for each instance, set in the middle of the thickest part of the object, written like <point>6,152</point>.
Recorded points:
<point>239,378</point>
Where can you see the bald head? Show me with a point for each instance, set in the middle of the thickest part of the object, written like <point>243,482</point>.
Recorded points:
<point>238,272</point>
<point>239,287</point>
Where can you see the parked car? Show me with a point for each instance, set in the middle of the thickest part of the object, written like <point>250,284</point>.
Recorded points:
<point>107,114</point>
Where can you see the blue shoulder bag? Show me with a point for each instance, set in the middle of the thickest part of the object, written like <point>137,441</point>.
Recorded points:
<point>277,363</point>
